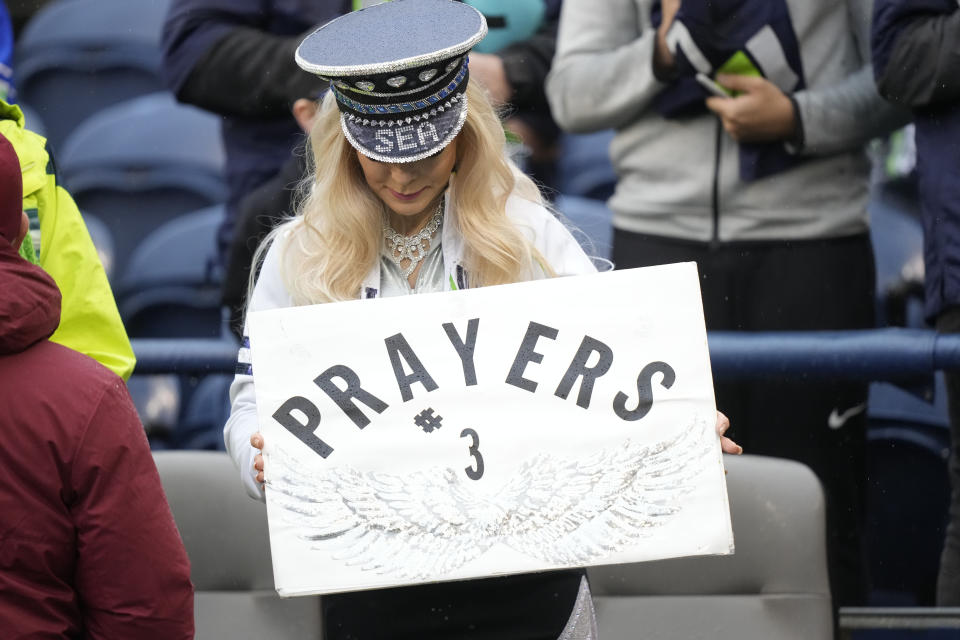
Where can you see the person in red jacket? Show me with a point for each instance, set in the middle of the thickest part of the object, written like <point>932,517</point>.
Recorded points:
<point>88,546</point>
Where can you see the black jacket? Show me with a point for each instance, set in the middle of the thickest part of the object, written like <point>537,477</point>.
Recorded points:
<point>916,49</point>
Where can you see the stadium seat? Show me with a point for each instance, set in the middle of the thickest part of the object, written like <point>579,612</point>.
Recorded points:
<point>583,165</point>
<point>201,425</point>
<point>908,444</point>
<point>225,534</point>
<point>32,119</point>
<point>102,241</point>
<point>774,586</point>
<point>907,500</point>
<point>142,163</point>
<point>76,57</point>
<point>158,404</point>
<point>171,287</point>
<point>591,222</point>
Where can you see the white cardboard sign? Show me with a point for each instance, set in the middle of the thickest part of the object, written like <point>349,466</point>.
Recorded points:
<point>540,425</point>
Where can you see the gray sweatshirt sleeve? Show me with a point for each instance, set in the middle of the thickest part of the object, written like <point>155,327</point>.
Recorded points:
<point>844,116</point>
<point>924,66</point>
<point>602,74</point>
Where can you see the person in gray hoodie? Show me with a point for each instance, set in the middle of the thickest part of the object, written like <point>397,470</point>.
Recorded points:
<point>762,181</point>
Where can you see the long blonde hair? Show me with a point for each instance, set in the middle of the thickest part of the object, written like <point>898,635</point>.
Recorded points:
<point>335,238</point>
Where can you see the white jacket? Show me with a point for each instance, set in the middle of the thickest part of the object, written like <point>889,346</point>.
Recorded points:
<point>548,235</point>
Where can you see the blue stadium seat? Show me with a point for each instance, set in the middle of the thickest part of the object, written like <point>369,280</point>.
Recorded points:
<point>32,119</point>
<point>157,399</point>
<point>171,288</point>
<point>141,163</point>
<point>583,165</point>
<point>76,57</point>
<point>907,503</point>
<point>591,223</point>
<point>908,493</point>
<point>201,424</point>
<point>102,241</point>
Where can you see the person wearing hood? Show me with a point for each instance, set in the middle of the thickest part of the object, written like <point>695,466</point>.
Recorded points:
<point>90,549</point>
<point>61,245</point>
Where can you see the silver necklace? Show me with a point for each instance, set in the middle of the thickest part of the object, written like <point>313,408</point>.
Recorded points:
<point>413,248</point>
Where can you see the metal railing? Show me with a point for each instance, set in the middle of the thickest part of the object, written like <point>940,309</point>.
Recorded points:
<point>877,354</point>
<point>904,618</point>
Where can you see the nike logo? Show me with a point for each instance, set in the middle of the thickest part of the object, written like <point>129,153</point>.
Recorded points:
<point>837,420</point>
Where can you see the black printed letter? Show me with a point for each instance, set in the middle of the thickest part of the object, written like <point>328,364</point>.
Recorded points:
<point>465,349</point>
<point>303,430</point>
<point>527,354</point>
<point>397,345</point>
<point>345,397</point>
<point>644,390</point>
<point>590,374</point>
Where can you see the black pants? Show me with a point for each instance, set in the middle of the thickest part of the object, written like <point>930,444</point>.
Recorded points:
<point>790,286</point>
<point>948,580</point>
<point>530,606</point>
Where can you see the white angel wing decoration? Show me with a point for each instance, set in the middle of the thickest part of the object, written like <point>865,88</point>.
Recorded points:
<point>562,511</point>
<point>595,507</point>
<point>405,526</point>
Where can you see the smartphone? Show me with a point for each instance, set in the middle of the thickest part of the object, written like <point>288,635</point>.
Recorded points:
<point>712,86</point>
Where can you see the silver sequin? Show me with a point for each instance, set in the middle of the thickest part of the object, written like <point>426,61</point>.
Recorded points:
<point>420,156</point>
<point>582,624</point>
<point>397,81</point>
<point>417,89</point>
<point>411,248</point>
<point>365,85</point>
<point>427,76</point>
<point>430,278</point>
<point>452,65</point>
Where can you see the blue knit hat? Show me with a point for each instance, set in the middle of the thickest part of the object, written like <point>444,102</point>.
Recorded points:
<point>399,73</point>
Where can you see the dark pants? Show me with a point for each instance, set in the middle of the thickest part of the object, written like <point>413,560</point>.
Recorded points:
<point>530,606</point>
<point>948,581</point>
<point>790,286</point>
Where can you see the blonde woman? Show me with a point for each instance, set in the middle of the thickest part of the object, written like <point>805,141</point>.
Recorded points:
<point>400,205</point>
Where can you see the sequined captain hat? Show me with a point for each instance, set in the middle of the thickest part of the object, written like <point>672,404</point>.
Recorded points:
<point>399,74</point>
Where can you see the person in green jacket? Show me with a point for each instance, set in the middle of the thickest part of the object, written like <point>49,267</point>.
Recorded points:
<point>61,246</point>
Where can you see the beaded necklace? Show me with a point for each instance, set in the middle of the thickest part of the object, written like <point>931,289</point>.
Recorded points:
<point>413,248</point>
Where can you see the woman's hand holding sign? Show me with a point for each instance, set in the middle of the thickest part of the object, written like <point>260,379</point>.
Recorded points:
<point>723,423</point>
<point>257,441</point>
<point>726,444</point>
